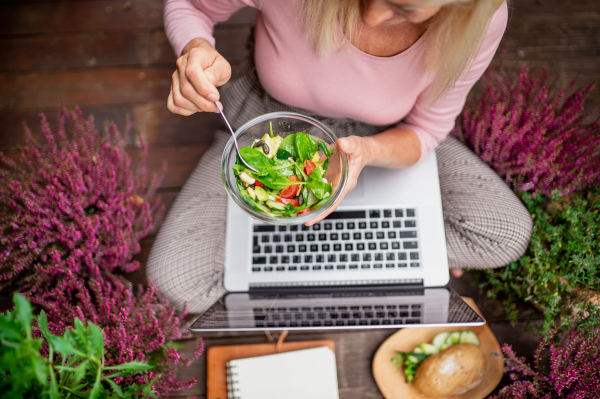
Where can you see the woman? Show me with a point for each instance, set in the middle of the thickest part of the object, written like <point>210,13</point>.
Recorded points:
<point>388,76</point>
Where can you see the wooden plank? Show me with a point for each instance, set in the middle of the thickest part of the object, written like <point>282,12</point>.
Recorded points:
<point>76,16</point>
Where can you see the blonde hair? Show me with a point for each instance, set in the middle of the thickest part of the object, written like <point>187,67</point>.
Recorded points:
<point>454,35</point>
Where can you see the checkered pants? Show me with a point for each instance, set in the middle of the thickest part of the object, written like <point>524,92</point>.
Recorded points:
<point>486,225</point>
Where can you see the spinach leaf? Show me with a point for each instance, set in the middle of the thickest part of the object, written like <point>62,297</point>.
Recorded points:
<point>317,185</point>
<point>287,148</point>
<point>256,158</point>
<point>306,146</point>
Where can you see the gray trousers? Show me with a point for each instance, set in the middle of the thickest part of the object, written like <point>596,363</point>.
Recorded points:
<point>486,225</point>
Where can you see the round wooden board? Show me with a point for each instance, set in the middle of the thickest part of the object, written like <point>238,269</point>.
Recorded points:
<point>390,380</point>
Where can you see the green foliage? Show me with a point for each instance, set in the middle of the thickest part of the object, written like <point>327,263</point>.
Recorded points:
<point>560,272</point>
<point>287,148</point>
<point>317,185</point>
<point>306,146</point>
<point>74,367</point>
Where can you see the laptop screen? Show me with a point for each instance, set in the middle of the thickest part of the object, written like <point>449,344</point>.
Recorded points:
<point>339,308</point>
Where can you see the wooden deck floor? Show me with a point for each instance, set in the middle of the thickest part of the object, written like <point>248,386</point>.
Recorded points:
<point>112,57</point>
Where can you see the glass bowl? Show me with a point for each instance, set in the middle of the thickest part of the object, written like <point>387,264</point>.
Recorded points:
<point>284,124</point>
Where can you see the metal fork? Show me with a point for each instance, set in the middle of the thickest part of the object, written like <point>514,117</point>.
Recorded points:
<point>234,139</point>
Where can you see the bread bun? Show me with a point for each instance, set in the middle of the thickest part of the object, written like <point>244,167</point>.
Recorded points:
<point>452,371</point>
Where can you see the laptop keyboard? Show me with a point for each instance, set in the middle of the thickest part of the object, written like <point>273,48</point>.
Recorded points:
<point>319,316</point>
<point>369,239</point>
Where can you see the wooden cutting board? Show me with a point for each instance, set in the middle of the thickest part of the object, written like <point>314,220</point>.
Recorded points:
<point>218,356</point>
<point>390,380</point>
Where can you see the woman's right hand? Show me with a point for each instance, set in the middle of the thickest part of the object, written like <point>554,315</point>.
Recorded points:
<point>199,71</point>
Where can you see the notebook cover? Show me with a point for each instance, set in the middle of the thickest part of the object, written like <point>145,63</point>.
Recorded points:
<point>218,356</point>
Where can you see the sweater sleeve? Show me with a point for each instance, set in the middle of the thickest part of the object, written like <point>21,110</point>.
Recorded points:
<point>188,19</point>
<point>432,124</point>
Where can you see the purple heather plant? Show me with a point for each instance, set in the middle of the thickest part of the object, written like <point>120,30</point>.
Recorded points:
<point>72,206</point>
<point>566,368</point>
<point>138,327</point>
<point>532,133</point>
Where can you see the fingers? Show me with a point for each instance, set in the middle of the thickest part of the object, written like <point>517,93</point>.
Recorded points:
<point>204,71</point>
<point>189,90</point>
<point>177,103</point>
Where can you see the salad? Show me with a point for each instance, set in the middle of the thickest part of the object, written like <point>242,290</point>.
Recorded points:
<point>291,174</point>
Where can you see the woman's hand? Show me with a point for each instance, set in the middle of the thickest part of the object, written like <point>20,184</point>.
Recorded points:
<point>199,71</point>
<point>359,155</point>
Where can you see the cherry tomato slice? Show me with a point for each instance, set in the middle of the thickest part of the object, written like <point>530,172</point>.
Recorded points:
<point>288,201</point>
<point>304,211</point>
<point>290,191</point>
<point>258,184</point>
<point>310,165</point>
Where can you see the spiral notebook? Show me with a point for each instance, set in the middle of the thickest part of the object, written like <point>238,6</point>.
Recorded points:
<point>308,373</point>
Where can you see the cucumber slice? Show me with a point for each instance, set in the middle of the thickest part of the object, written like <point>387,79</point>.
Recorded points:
<point>312,199</point>
<point>275,205</point>
<point>469,337</point>
<point>427,349</point>
<point>413,359</point>
<point>452,339</point>
<point>438,340</point>
<point>261,194</point>
<point>418,350</point>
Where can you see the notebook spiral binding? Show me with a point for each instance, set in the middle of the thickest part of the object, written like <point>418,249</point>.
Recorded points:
<point>232,391</point>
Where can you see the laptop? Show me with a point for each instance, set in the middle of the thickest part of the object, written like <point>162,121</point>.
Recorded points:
<point>378,261</point>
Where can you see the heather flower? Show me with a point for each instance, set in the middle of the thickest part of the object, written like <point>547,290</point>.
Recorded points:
<point>533,134</point>
<point>138,327</point>
<point>563,368</point>
<point>72,207</point>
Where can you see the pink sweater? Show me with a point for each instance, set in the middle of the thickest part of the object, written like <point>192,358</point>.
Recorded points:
<point>348,83</point>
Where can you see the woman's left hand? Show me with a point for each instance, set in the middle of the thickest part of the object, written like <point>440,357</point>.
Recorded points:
<point>358,151</point>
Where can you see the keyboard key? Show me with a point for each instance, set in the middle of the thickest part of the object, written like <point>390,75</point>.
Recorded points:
<point>256,269</point>
<point>268,249</point>
<point>308,258</point>
<point>279,249</point>
<point>383,245</point>
<point>333,236</point>
<point>355,257</point>
<point>390,256</point>
<point>264,238</point>
<point>391,235</point>
<point>264,228</point>
<point>349,247</point>
<point>291,248</point>
<point>303,268</point>
<point>299,237</point>
<point>380,235</point>
<point>288,238</point>
<point>297,258</point>
<point>374,214</point>
<point>414,264</point>
<point>294,228</point>
<point>353,267</point>
<point>329,267</point>
<point>320,258</point>
<point>397,224</point>
<point>362,225</point>
<point>395,245</point>
<point>413,321</point>
<point>351,225</point>
<point>316,267</point>
<point>305,228</point>
<point>374,322</point>
<point>408,234</point>
<point>339,226</point>
<point>337,247</point>
<point>372,246</point>
<point>325,247</point>
<point>327,226</point>
<point>414,256</point>
<point>387,213</point>
<point>292,268</point>
<point>331,258</point>
<point>280,268</point>
<point>255,240</point>
<point>344,258</point>
<point>402,256</point>
<point>273,260</point>
<point>379,256</point>
<point>415,314</point>
<point>301,248</point>
<point>366,257</point>
<point>398,213</point>
<point>310,237</point>
<point>360,246</point>
<point>368,236</point>
<point>282,228</point>
<point>314,248</point>
<point>268,269</point>
<point>276,238</point>
<point>410,213</point>
<point>357,236</point>
<point>402,265</point>
<point>345,236</point>
<point>389,265</point>
<point>322,237</point>
<point>410,223</point>
<point>374,225</point>
<point>341,267</point>
<point>409,244</point>
<point>385,225</point>
<point>285,259</point>
<point>316,227</point>
<point>256,249</point>
<point>377,266</point>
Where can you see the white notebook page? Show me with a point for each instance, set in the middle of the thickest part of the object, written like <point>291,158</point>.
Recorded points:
<point>308,373</point>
